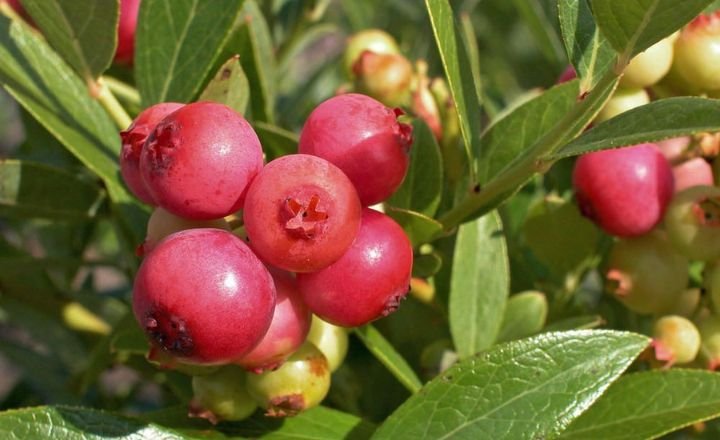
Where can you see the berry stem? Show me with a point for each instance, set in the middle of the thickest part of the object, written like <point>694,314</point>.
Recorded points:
<point>536,159</point>
<point>116,111</point>
<point>122,90</point>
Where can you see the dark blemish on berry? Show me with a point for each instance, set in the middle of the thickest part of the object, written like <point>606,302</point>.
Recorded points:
<point>226,73</point>
<point>169,332</point>
<point>476,188</point>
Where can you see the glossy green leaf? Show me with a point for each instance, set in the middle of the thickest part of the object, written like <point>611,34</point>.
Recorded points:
<point>388,356</point>
<point>560,237</point>
<point>649,404</point>
<point>527,389</point>
<point>176,44</point>
<point>658,120</point>
<point>632,26</point>
<point>587,48</point>
<point>525,315</point>
<point>35,190</point>
<point>82,33</point>
<point>253,42</point>
<point>68,423</point>
<point>511,136</point>
<point>479,284</point>
<point>51,92</point>
<point>422,188</point>
<point>458,70</point>
<point>418,227</point>
<point>276,141</point>
<point>229,86</point>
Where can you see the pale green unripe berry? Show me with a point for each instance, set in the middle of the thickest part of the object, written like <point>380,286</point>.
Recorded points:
<point>330,339</point>
<point>301,383</point>
<point>676,340</point>
<point>692,221</point>
<point>622,101</point>
<point>222,396</point>
<point>648,67</point>
<point>374,40</point>
<point>163,223</point>
<point>710,346</point>
<point>697,55</point>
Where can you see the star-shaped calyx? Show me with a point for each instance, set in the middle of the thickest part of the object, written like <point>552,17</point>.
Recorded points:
<point>304,220</point>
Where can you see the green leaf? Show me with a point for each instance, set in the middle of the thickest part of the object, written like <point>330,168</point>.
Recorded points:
<point>276,141</point>
<point>511,136</point>
<point>83,33</point>
<point>177,42</point>
<point>588,50</point>
<point>649,404</point>
<point>422,188</point>
<point>632,26</point>
<point>560,236</point>
<point>388,356</point>
<point>525,315</point>
<point>527,389</point>
<point>69,423</point>
<point>253,42</point>
<point>230,86</point>
<point>658,120</point>
<point>418,227</point>
<point>479,285</point>
<point>458,70</point>
<point>51,92</point>
<point>35,190</point>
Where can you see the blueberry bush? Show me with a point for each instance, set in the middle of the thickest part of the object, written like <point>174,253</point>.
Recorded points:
<point>374,219</point>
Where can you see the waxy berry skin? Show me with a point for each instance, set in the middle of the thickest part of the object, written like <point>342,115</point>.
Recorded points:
<point>199,161</point>
<point>363,138</point>
<point>624,191</point>
<point>366,283</point>
<point>127,24</point>
<point>301,213</point>
<point>692,221</point>
<point>133,139</point>
<point>288,329</point>
<point>204,297</point>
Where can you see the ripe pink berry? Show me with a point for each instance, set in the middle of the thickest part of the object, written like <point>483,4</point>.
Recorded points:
<point>369,281</point>
<point>288,330</point>
<point>126,31</point>
<point>203,297</point>
<point>364,139</point>
<point>133,139</point>
<point>199,161</point>
<point>624,191</point>
<point>694,172</point>
<point>301,213</point>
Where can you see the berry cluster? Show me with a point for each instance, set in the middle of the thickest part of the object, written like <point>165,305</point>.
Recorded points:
<point>661,201</point>
<point>239,255</point>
